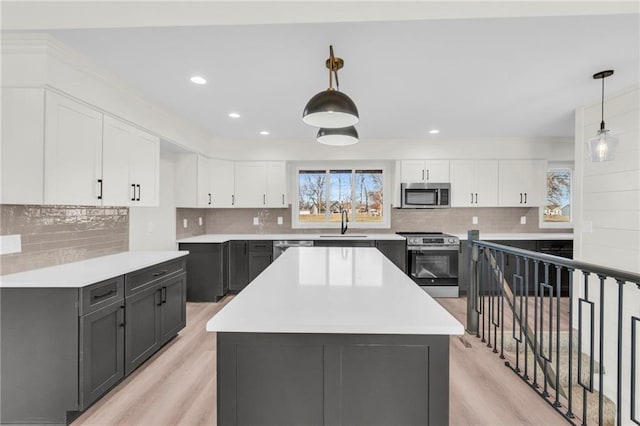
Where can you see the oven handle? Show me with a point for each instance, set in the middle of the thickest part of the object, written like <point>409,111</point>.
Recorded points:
<point>422,249</point>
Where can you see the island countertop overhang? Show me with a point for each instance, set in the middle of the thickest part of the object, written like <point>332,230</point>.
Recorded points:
<point>334,290</point>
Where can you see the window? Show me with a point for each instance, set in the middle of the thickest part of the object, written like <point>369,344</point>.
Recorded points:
<point>324,193</point>
<point>557,207</point>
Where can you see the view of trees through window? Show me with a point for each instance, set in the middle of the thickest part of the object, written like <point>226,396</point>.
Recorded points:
<point>324,194</point>
<point>558,205</point>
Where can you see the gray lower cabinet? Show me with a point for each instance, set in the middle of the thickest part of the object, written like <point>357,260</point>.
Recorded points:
<point>207,271</point>
<point>238,265</point>
<point>260,256</point>
<point>395,251</point>
<point>63,348</point>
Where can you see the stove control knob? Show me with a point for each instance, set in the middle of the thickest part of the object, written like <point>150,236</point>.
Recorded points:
<point>452,240</point>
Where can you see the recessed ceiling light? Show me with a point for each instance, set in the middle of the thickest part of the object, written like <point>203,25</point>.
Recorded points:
<point>198,79</point>
<point>234,115</point>
<point>264,133</point>
<point>434,131</point>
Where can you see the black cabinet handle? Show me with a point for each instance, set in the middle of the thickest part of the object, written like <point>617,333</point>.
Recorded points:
<point>264,199</point>
<point>476,198</point>
<point>133,185</point>
<point>124,322</point>
<point>427,174</point>
<point>233,199</point>
<point>472,198</point>
<point>138,185</point>
<point>106,294</point>
<point>209,198</point>
<point>283,199</point>
<point>159,291</point>
<point>422,174</point>
<point>521,198</point>
<point>162,272</point>
<point>164,294</point>
<point>525,198</point>
<point>100,193</point>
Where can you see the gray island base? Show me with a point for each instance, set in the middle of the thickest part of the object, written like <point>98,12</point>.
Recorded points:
<point>333,336</point>
<point>332,379</point>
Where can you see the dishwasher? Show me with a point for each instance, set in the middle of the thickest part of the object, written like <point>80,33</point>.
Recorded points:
<point>280,246</point>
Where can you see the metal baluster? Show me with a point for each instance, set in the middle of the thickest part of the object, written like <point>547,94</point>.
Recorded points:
<point>556,403</point>
<point>535,323</point>
<point>526,315</point>
<point>619,378</point>
<point>501,289</point>
<point>601,355</point>
<point>482,289</point>
<point>490,297</point>
<point>584,388</point>
<point>569,413</point>
<point>513,323</point>
<point>545,392</point>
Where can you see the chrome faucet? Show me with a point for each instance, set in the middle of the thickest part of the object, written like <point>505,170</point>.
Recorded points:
<point>344,219</point>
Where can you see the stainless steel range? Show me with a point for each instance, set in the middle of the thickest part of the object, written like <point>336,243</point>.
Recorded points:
<point>432,262</point>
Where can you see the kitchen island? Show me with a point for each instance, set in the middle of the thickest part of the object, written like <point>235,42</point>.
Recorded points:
<point>329,335</point>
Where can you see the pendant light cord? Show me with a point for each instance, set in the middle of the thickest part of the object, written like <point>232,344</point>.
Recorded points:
<point>602,107</point>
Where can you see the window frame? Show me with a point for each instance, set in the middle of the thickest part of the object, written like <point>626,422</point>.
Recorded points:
<point>564,167</point>
<point>353,167</point>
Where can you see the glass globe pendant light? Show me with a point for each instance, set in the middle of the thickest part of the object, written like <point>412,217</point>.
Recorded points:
<point>338,137</point>
<point>331,108</point>
<point>603,146</point>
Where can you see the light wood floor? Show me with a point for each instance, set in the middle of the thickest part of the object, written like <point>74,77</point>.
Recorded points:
<point>177,386</point>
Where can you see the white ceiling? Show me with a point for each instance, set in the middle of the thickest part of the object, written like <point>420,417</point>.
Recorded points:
<point>473,77</point>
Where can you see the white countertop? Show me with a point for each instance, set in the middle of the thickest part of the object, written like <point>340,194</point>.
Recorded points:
<point>221,238</point>
<point>334,290</point>
<point>86,272</point>
<point>522,236</point>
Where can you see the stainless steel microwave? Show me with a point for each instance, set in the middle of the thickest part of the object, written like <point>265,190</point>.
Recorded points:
<point>425,195</point>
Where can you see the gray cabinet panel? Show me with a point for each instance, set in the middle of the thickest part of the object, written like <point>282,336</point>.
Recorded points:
<point>101,294</point>
<point>173,313</point>
<point>395,251</point>
<point>207,271</point>
<point>238,265</point>
<point>101,352</point>
<point>142,330</point>
<point>258,262</point>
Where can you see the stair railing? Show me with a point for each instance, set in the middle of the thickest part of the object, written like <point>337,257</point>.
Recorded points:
<point>537,279</point>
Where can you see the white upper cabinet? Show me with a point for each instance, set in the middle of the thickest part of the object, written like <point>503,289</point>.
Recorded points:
<point>22,156</point>
<point>474,183</point>
<point>144,168</point>
<point>204,198</point>
<point>221,183</point>
<point>521,183</point>
<point>72,152</point>
<point>192,183</point>
<point>250,184</point>
<point>424,171</point>
<point>277,184</point>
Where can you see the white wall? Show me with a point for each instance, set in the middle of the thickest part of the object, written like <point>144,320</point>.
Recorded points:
<point>607,221</point>
<point>154,228</point>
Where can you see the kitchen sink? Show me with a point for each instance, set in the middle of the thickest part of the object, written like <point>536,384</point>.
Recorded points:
<point>344,236</point>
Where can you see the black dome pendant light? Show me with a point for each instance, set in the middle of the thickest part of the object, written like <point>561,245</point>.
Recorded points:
<point>331,109</point>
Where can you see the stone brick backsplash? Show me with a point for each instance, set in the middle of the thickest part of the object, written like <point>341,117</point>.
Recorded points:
<point>53,235</point>
<point>454,220</point>
<point>193,224</point>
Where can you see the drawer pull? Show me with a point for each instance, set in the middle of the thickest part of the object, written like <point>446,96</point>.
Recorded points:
<point>97,297</point>
<point>164,294</point>
<point>123,323</point>
<point>162,272</point>
<point>159,291</point>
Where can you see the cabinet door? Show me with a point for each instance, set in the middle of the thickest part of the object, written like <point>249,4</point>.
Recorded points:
<point>205,271</point>
<point>413,171</point>
<point>73,152</point>
<point>173,316</point>
<point>250,184</point>
<point>22,156</point>
<point>436,171</point>
<point>238,265</point>
<point>101,352</point>
<point>186,180</point>
<point>520,183</point>
<point>221,174</point>
<point>277,184</point>
<point>486,182</point>
<point>463,185</point>
<point>260,256</point>
<point>118,143</point>
<point>142,329</point>
<point>203,185</point>
<point>145,168</point>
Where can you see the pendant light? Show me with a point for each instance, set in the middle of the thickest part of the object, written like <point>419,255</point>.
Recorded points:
<point>338,137</point>
<point>331,109</point>
<point>602,147</point>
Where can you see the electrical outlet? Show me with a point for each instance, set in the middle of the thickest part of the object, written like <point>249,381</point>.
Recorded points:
<point>474,220</point>
<point>256,221</point>
<point>10,244</point>
<point>280,221</point>
<point>184,223</point>
<point>523,220</point>
<point>200,221</point>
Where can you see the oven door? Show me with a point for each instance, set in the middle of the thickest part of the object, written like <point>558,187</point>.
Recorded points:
<point>434,266</point>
